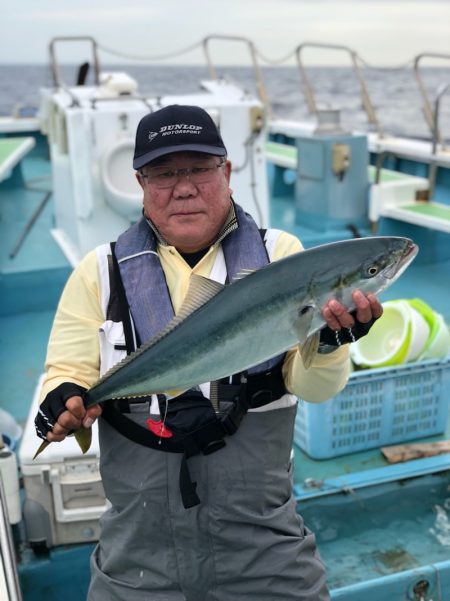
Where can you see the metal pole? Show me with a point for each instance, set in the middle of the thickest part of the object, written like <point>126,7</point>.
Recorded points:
<point>57,79</point>
<point>260,85</point>
<point>427,108</point>
<point>309,94</point>
<point>30,224</point>
<point>7,552</point>
<point>436,138</point>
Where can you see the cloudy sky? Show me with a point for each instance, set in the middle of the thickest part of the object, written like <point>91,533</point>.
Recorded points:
<point>384,32</point>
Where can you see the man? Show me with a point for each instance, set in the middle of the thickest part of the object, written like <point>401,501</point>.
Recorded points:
<point>217,520</point>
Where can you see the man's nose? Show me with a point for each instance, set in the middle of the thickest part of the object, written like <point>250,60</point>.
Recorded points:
<point>184,186</point>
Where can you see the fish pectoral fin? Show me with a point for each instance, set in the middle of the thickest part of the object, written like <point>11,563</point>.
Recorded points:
<point>308,345</point>
<point>83,436</point>
<point>303,321</point>
<point>309,349</point>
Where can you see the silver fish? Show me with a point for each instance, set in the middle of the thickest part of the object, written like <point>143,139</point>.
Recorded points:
<point>222,330</point>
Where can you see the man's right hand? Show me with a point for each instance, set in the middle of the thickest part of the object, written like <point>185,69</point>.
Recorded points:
<point>63,411</point>
<point>76,416</point>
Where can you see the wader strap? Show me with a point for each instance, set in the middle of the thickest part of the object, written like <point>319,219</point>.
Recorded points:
<point>140,435</point>
<point>189,496</point>
<point>234,401</point>
<point>123,303</point>
<point>136,433</point>
<point>259,389</point>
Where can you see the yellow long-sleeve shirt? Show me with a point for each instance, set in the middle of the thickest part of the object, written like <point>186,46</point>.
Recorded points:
<point>73,353</point>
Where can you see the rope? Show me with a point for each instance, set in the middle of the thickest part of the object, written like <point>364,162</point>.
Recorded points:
<point>389,68</point>
<point>262,57</point>
<point>159,57</point>
<point>277,61</point>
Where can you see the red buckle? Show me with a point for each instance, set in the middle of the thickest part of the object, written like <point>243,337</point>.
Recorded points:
<point>158,428</point>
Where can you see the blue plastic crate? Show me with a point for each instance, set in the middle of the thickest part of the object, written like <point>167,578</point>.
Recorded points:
<point>377,407</point>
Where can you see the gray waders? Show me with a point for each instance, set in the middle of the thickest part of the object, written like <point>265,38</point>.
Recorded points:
<point>243,542</point>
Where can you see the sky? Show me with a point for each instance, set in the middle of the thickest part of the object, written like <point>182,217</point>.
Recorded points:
<point>383,32</point>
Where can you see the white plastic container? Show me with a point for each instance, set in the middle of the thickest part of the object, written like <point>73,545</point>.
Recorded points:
<point>64,496</point>
<point>399,336</point>
<point>10,480</point>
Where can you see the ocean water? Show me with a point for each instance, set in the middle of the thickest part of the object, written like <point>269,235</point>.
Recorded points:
<point>394,92</point>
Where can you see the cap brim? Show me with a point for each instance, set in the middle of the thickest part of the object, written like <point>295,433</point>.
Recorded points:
<point>139,162</point>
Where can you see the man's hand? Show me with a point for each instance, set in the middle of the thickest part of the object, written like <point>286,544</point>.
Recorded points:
<point>367,308</point>
<point>63,411</point>
<point>75,417</point>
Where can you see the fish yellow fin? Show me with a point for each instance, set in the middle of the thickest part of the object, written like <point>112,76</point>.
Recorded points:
<point>44,444</point>
<point>83,437</point>
<point>309,349</point>
<point>170,394</point>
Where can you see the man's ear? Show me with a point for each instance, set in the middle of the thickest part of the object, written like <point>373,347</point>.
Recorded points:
<point>140,179</point>
<point>227,168</point>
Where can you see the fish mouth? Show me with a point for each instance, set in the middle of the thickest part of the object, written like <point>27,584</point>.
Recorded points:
<point>408,255</point>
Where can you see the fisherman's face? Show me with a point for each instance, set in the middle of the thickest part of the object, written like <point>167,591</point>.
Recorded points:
<point>188,214</point>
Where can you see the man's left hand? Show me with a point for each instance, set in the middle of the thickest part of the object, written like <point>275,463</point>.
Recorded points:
<point>367,309</point>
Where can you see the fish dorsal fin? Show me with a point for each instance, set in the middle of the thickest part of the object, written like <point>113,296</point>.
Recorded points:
<point>243,274</point>
<point>200,291</point>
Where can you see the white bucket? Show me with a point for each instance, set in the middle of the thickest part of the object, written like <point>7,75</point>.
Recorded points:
<point>399,336</point>
<point>420,332</point>
<point>438,346</point>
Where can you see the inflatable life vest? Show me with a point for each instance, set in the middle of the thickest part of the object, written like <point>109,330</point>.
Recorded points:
<point>139,300</point>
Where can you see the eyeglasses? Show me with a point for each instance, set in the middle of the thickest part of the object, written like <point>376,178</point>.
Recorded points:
<point>161,177</point>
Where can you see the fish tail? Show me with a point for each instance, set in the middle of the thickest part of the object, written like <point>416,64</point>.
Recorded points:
<point>42,447</point>
<point>83,437</point>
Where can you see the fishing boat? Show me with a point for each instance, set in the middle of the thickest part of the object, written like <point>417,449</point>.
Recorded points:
<point>66,185</point>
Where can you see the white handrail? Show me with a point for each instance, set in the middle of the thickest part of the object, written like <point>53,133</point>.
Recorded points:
<point>428,112</point>
<point>355,59</point>
<point>9,579</point>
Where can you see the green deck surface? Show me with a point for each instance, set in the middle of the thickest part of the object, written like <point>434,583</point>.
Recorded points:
<point>287,151</point>
<point>429,209</point>
<point>10,145</point>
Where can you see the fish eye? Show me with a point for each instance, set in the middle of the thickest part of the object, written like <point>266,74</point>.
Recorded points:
<point>372,270</point>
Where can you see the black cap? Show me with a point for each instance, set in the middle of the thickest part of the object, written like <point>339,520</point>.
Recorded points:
<point>176,128</point>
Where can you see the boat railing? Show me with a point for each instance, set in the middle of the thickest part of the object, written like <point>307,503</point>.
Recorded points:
<point>54,65</point>
<point>429,113</point>
<point>260,85</point>
<point>356,62</point>
<point>9,579</point>
<point>442,90</point>
<point>57,78</point>
<point>122,98</point>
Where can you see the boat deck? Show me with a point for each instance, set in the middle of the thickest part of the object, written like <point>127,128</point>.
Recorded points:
<point>30,284</point>
<point>32,273</point>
